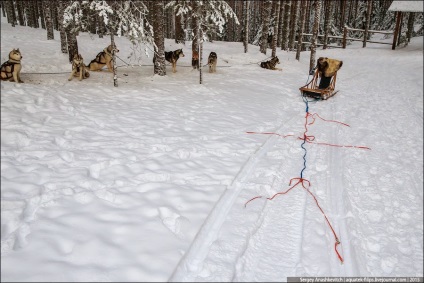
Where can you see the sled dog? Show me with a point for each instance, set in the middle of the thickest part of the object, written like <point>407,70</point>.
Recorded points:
<point>11,69</point>
<point>212,60</point>
<point>78,68</point>
<point>195,59</point>
<point>270,64</point>
<point>103,58</point>
<point>173,56</point>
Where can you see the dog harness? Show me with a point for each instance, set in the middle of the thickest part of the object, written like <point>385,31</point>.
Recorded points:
<point>99,56</point>
<point>4,66</point>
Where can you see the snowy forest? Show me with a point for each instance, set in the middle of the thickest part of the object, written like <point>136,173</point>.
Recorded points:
<point>289,25</point>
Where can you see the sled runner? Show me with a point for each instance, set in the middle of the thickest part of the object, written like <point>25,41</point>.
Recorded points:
<point>320,88</point>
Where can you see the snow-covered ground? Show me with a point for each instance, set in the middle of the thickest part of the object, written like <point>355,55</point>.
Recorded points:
<point>148,181</point>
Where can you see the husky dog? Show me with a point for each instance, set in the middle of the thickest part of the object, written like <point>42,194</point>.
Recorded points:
<point>270,64</point>
<point>212,60</point>
<point>173,56</point>
<point>103,58</point>
<point>195,59</point>
<point>11,69</point>
<point>78,68</point>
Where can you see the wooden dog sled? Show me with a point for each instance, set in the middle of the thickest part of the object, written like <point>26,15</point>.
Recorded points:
<point>320,88</point>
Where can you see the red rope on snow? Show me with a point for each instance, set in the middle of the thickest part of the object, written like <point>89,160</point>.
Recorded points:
<point>304,182</point>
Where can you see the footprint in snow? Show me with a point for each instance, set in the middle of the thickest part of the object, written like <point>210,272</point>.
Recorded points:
<point>173,221</point>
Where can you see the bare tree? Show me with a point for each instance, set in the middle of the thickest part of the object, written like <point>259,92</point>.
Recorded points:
<point>63,42</point>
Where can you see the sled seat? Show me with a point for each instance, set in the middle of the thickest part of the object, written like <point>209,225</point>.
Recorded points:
<point>320,88</point>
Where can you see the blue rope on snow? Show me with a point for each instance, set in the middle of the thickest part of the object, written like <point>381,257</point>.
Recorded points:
<point>304,141</point>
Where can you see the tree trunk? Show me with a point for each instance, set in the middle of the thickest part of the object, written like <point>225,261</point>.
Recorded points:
<point>72,44</point>
<point>276,16</point>
<point>179,29</point>
<point>32,13</point>
<point>343,15</point>
<point>49,23</point>
<point>55,17</point>
<point>40,9</point>
<point>2,9</point>
<point>301,28</point>
<point>35,14</point>
<point>280,23</point>
<point>285,37</point>
<point>11,15</point>
<point>367,23</point>
<point>294,20</point>
<point>246,25</point>
<point>114,67</point>
<point>410,27</point>
<point>265,25</point>
<point>195,31</point>
<point>327,22</point>
<point>230,24</point>
<point>20,9</point>
<point>159,56</point>
<point>63,42</point>
<point>315,34</point>
<point>102,27</point>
